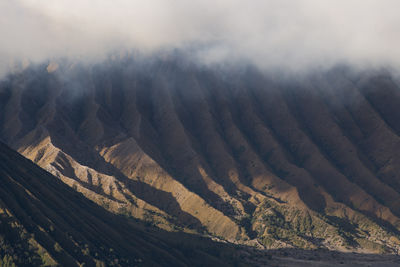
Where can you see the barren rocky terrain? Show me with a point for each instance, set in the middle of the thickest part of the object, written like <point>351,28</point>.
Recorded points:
<point>43,222</point>
<point>263,160</point>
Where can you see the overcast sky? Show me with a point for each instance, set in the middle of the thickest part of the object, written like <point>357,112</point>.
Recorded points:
<point>270,33</point>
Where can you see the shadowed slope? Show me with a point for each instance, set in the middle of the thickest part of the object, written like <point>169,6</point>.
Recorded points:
<point>243,156</point>
<point>43,221</point>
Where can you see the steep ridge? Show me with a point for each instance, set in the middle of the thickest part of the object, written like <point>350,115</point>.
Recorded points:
<point>236,154</point>
<point>43,222</point>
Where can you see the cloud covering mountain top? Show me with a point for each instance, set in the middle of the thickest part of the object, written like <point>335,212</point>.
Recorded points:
<point>270,33</point>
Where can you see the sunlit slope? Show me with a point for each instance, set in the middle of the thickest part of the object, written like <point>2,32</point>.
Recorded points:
<point>45,222</point>
<point>257,159</point>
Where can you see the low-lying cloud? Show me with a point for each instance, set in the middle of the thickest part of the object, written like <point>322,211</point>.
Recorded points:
<point>270,33</point>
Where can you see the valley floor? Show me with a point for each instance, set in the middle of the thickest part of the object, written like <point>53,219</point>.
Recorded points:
<point>319,258</point>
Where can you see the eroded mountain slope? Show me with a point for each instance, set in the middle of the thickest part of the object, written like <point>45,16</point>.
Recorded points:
<point>43,222</point>
<point>248,157</point>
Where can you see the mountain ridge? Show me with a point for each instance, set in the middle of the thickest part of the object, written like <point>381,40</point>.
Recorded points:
<point>43,222</point>
<point>240,155</point>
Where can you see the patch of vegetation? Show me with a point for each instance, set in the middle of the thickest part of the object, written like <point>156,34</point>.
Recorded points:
<point>15,246</point>
<point>246,223</point>
<point>7,261</point>
<point>373,246</point>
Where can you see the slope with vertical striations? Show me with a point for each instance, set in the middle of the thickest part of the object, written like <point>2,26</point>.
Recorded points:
<point>303,162</point>
<point>43,222</point>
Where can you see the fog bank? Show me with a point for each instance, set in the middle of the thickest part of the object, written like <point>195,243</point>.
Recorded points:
<point>286,34</point>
